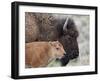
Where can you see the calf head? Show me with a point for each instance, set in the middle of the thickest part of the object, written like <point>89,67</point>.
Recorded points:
<point>57,50</point>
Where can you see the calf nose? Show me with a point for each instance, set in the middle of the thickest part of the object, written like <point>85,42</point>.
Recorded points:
<point>64,53</point>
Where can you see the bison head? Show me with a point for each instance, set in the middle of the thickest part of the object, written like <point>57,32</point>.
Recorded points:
<point>69,41</point>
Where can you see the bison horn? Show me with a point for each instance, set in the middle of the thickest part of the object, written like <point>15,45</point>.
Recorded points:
<point>65,25</point>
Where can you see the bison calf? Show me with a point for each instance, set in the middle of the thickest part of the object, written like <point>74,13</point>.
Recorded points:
<point>39,54</point>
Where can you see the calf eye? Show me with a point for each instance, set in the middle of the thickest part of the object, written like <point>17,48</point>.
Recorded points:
<point>57,48</point>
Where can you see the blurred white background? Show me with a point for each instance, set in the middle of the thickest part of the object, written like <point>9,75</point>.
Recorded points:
<point>5,41</point>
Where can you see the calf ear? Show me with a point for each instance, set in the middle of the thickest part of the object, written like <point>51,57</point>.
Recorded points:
<point>51,43</point>
<point>57,41</point>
